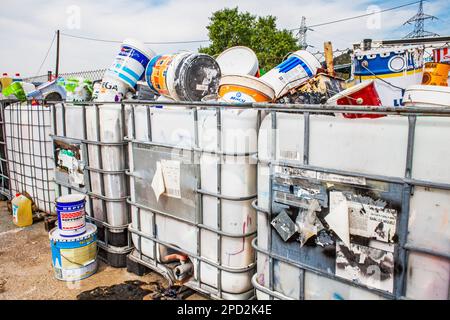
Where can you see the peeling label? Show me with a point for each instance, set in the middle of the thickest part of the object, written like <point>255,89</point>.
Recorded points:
<point>367,266</point>
<point>372,221</point>
<point>295,172</point>
<point>341,179</point>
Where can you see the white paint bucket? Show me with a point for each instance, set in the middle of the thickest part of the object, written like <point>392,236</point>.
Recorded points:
<point>296,69</point>
<point>238,60</point>
<point>393,69</point>
<point>74,258</point>
<point>427,96</point>
<point>130,63</point>
<point>71,214</point>
<point>244,88</point>
<point>111,90</point>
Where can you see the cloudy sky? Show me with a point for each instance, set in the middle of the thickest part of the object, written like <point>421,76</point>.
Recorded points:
<point>27,26</point>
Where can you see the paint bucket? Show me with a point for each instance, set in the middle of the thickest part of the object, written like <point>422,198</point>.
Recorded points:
<point>184,77</point>
<point>156,72</point>
<point>393,69</point>
<point>362,94</point>
<point>244,89</point>
<point>436,74</point>
<point>427,96</point>
<point>130,63</point>
<point>71,214</point>
<point>441,55</point>
<point>292,72</point>
<point>110,90</point>
<point>238,60</point>
<point>74,258</point>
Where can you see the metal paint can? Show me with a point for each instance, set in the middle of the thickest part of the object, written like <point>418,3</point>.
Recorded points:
<point>71,214</point>
<point>244,89</point>
<point>74,258</point>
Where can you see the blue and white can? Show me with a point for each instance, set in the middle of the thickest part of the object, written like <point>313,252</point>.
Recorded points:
<point>393,69</point>
<point>74,258</point>
<point>292,72</point>
<point>70,210</point>
<point>130,63</point>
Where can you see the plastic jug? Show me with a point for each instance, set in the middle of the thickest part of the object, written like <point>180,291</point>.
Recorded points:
<point>21,210</point>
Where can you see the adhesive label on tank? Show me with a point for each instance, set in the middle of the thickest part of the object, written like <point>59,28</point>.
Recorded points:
<point>171,174</point>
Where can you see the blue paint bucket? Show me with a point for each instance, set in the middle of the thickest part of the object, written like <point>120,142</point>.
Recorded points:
<point>71,214</point>
<point>74,258</point>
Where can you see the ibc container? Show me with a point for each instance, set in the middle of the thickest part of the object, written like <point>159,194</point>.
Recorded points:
<point>397,164</point>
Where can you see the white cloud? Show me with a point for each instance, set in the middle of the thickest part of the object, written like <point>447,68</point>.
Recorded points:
<point>28,26</point>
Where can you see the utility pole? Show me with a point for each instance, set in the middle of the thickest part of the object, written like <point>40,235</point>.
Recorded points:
<point>302,34</point>
<point>57,55</point>
<point>419,21</point>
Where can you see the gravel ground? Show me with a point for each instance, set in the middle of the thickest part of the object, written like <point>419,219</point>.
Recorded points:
<point>26,271</point>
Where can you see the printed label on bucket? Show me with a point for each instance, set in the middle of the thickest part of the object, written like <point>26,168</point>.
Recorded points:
<point>238,96</point>
<point>72,220</point>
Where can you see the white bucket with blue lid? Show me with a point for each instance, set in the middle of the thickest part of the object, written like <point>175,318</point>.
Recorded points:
<point>130,63</point>
<point>292,72</point>
<point>70,210</point>
<point>74,258</point>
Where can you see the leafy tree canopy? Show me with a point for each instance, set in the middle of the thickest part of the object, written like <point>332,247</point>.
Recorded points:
<point>229,27</point>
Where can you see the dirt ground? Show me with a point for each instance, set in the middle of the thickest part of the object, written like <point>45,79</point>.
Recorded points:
<point>26,271</point>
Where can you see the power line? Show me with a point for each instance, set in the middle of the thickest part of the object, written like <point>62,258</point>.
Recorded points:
<point>118,41</point>
<point>357,17</point>
<point>207,40</point>
<point>46,55</point>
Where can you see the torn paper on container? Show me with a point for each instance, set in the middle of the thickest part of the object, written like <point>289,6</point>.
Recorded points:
<point>158,181</point>
<point>307,223</point>
<point>337,218</point>
<point>365,265</point>
<point>68,160</point>
<point>370,221</point>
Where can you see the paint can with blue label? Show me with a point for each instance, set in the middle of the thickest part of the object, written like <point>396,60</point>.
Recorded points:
<point>74,258</point>
<point>292,72</point>
<point>127,69</point>
<point>70,210</point>
<point>130,63</point>
<point>393,69</point>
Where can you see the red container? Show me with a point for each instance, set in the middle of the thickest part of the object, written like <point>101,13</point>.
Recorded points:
<point>362,94</point>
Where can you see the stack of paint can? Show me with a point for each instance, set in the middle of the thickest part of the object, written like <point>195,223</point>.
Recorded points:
<point>243,86</point>
<point>126,70</point>
<point>73,242</point>
<point>184,76</point>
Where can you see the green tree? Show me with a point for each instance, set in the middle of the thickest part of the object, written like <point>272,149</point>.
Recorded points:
<point>229,27</point>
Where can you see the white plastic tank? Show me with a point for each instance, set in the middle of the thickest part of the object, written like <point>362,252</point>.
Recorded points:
<point>176,127</point>
<point>106,124</point>
<point>30,152</point>
<point>372,147</point>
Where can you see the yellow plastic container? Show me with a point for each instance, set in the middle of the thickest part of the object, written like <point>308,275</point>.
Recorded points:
<point>21,210</point>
